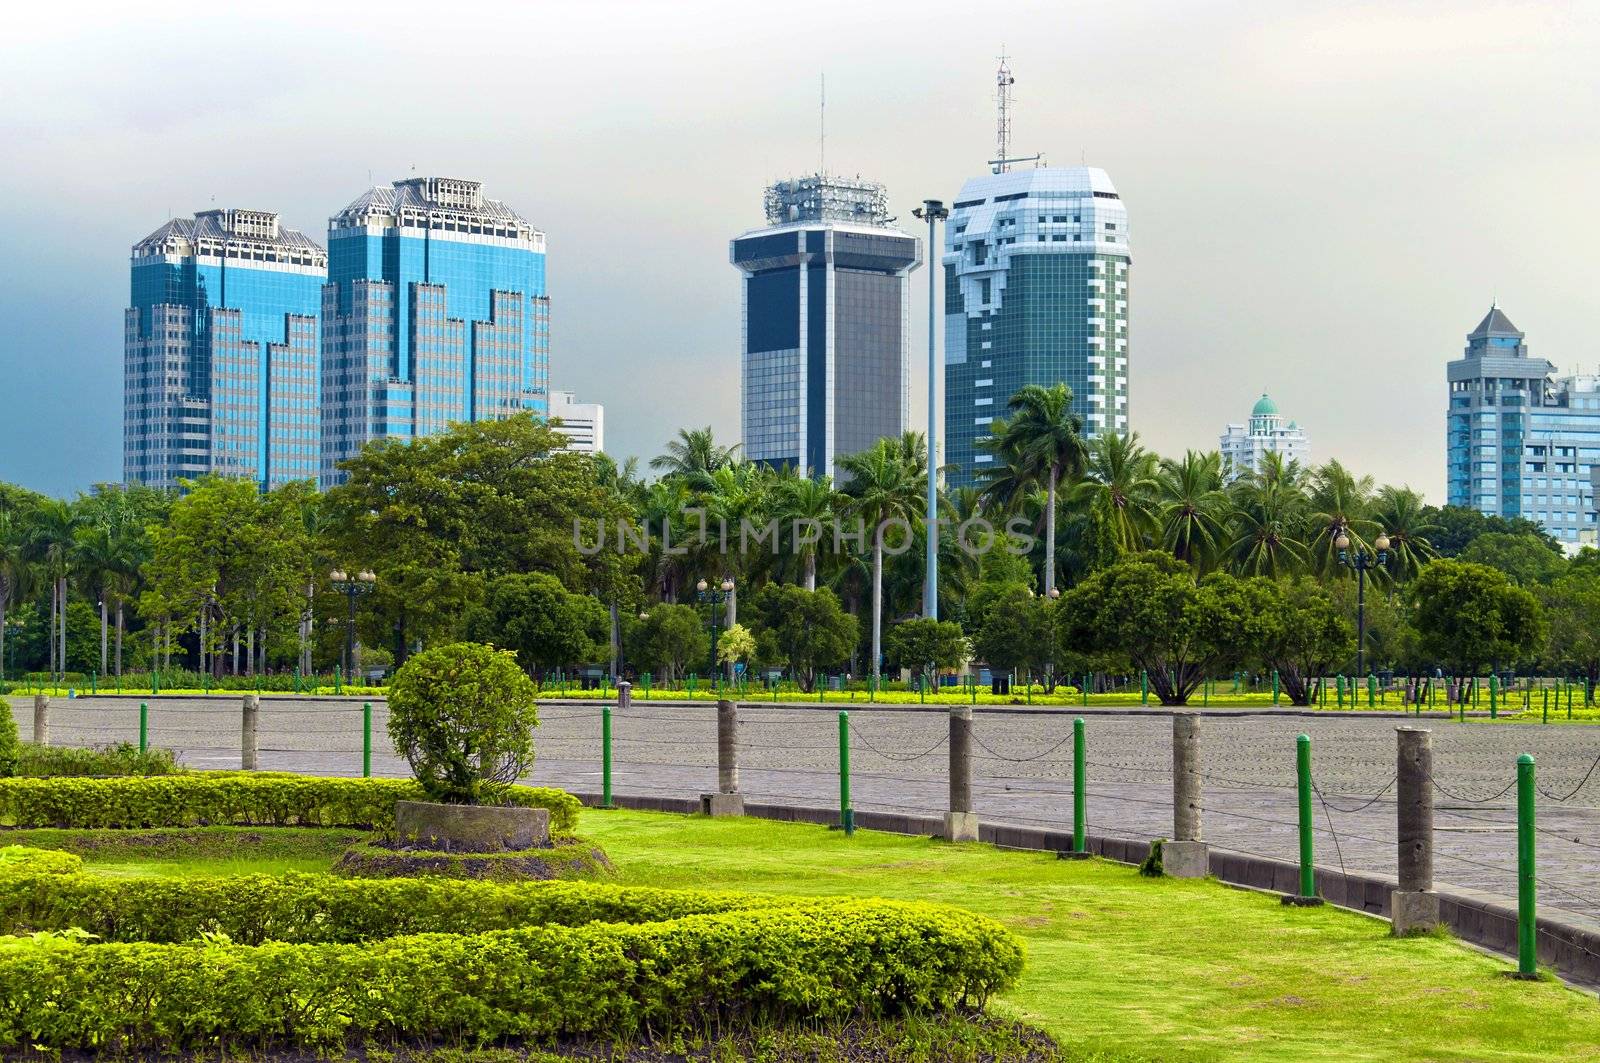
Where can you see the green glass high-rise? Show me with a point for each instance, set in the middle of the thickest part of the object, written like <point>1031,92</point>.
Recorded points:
<point>1036,292</point>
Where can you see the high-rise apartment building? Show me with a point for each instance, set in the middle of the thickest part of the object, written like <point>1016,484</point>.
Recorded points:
<point>1520,440</point>
<point>1245,445</point>
<point>1036,292</point>
<point>583,423</point>
<point>435,312</point>
<point>824,353</point>
<point>221,351</point>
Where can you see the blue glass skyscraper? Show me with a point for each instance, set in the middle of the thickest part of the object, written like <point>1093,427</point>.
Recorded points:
<point>1036,292</point>
<point>435,312</point>
<point>221,351</point>
<point>1521,441</point>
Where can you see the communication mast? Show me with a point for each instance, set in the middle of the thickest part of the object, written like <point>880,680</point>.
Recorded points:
<point>1003,81</point>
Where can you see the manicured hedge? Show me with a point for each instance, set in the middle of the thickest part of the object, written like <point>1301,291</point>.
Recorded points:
<point>813,960</point>
<point>251,798</point>
<point>314,909</point>
<point>44,866</point>
<point>8,740</point>
<point>124,758</point>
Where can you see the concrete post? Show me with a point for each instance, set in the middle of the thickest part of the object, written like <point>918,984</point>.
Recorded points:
<point>624,696</point>
<point>41,720</point>
<point>1186,856</point>
<point>727,801</point>
<point>247,732</point>
<point>1413,906</point>
<point>961,823</point>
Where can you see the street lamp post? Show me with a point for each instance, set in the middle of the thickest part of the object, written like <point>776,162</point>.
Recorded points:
<point>352,587</point>
<point>716,596</point>
<point>933,211</point>
<point>1362,563</point>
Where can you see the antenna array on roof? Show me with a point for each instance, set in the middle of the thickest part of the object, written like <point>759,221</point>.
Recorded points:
<point>1002,102</point>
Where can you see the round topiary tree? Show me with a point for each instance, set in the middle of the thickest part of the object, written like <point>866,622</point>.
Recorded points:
<point>463,716</point>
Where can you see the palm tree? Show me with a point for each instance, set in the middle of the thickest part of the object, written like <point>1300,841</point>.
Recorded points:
<point>802,502</point>
<point>1119,489</point>
<point>1400,513</point>
<point>1340,503</point>
<point>1195,507</point>
<point>14,569</point>
<point>51,537</point>
<point>694,456</point>
<point>886,485</point>
<point>96,554</point>
<point>1042,442</point>
<point>1269,511</point>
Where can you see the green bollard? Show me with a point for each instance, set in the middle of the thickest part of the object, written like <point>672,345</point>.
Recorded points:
<point>144,727</point>
<point>822,685</point>
<point>1308,878</point>
<point>155,684</point>
<point>1078,785</point>
<point>296,679</point>
<point>605,757</point>
<point>1339,682</point>
<point>1527,940</point>
<point>1372,691</point>
<point>647,686</point>
<point>1569,701</point>
<point>922,689</point>
<point>973,686</point>
<point>1274,688</point>
<point>94,682</point>
<point>338,679</point>
<point>366,740</point>
<point>1494,697</point>
<point>847,815</point>
<point>1144,687</point>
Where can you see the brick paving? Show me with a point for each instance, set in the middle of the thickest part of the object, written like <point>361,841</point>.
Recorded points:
<point>1022,767</point>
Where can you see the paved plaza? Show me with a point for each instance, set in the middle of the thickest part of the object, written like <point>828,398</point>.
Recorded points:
<point>1022,766</point>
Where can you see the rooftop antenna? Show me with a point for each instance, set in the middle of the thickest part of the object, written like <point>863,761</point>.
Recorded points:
<point>822,128</point>
<point>1003,81</point>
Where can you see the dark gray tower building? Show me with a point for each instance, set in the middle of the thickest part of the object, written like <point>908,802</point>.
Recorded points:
<point>824,353</point>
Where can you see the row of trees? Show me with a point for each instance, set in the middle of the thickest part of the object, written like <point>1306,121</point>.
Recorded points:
<point>492,531</point>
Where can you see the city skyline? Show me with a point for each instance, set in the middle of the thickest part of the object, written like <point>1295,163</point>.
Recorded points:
<point>1262,174</point>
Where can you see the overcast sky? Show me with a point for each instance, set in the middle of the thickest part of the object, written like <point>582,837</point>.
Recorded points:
<point>1324,197</point>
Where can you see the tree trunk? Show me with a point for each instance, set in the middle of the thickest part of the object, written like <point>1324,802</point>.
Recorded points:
<point>811,570</point>
<point>104,628</point>
<point>250,650</point>
<point>51,631</point>
<point>1050,531</point>
<point>63,625</point>
<point>119,636</point>
<point>877,605</point>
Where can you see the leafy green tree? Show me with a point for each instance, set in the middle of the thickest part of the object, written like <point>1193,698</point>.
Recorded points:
<point>806,510</point>
<point>1304,633</point>
<point>1017,631</point>
<point>1040,444</point>
<point>886,487</point>
<point>694,456</point>
<point>1270,510</point>
<point>51,538</point>
<point>1120,488</point>
<point>547,626</point>
<point>926,646</point>
<point>1176,630</point>
<point>1572,608</point>
<point>1470,615</point>
<point>1525,558</point>
<point>671,638</point>
<point>1194,508</point>
<point>1340,504</point>
<point>1454,527</point>
<point>463,717</point>
<point>805,631</point>
<point>735,645</point>
<point>1401,515</point>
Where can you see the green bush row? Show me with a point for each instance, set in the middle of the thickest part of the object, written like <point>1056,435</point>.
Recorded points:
<point>8,742</point>
<point>20,863</point>
<point>251,798</point>
<point>813,961</point>
<point>124,758</point>
<point>316,909</point>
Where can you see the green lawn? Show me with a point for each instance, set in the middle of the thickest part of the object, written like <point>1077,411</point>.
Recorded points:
<point>1120,968</point>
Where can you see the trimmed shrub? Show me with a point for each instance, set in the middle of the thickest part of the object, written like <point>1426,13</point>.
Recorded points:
<point>816,960</point>
<point>246,798</point>
<point>567,858</point>
<point>36,865</point>
<point>318,909</point>
<point>124,758</point>
<point>8,741</point>
<point>463,717</point>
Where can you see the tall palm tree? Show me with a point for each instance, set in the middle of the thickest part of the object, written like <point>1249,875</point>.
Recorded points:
<point>1040,443</point>
<point>1194,507</point>
<point>51,537</point>
<point>96,554</point>
<point>1400,513</point>
<point>1341,503</point>
<point>802,503</point>
<point>694,456</point>
<point>1119,488</point>
<point>886,485</point>
<point>1269,515</point>
<point>15,571</point>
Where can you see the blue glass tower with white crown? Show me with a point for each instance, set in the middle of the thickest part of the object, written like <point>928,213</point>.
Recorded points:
<point>220,342</point>
<point>435,312</point>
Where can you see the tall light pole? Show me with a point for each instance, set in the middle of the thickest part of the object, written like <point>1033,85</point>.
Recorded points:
<point>933,211</point>
<point>716,597</point>
<point>352,586</point>
<point>1362,562</point>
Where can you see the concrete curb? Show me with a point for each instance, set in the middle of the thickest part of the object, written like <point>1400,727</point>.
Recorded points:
<point>1570,945</point>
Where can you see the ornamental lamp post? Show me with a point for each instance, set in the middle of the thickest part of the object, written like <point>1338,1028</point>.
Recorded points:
<point>1362,562</point>
<point>352,587</point>
<point>715,597</point>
